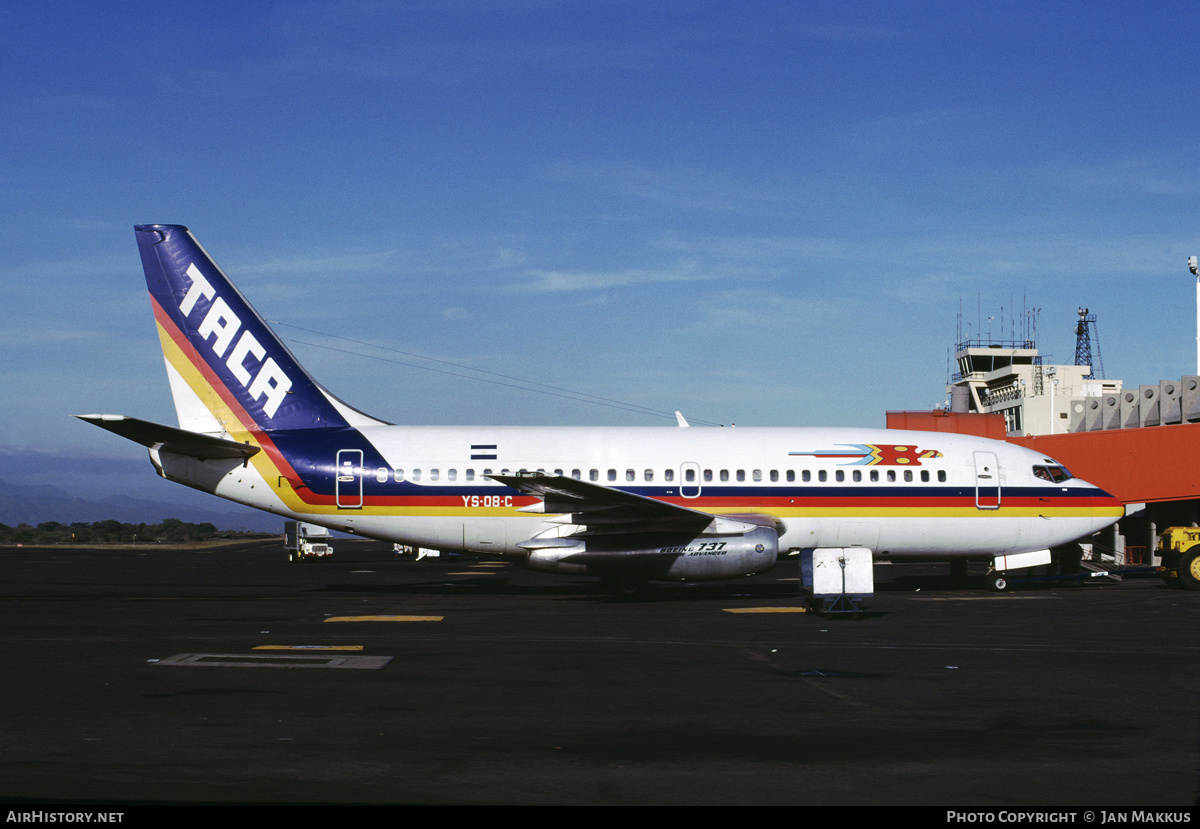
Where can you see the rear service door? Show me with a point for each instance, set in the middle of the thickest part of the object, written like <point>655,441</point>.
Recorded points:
<point>348,486</point>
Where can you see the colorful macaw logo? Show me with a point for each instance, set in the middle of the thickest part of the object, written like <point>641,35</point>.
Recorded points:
<point>868,454</point>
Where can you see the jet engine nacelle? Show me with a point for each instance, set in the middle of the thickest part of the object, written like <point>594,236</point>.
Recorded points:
<point>723,557</point>
<point>704,558</point>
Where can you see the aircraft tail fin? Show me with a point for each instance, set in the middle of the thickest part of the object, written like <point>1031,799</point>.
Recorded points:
<point>229,372</point>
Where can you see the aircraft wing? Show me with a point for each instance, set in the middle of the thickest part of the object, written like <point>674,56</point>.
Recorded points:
<point>170,439</point>
<point>613,519</point>
<point>596,505</point>
<point>596,522</point>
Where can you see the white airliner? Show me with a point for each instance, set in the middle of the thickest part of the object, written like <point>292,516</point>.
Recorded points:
<point>625,504</point>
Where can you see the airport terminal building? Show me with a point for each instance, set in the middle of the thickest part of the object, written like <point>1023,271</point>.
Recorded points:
<point>1135,442</point>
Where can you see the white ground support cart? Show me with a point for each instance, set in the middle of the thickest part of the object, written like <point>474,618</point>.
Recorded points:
<point>837,579</point>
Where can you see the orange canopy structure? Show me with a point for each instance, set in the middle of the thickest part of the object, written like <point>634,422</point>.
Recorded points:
<point>1144,465</point>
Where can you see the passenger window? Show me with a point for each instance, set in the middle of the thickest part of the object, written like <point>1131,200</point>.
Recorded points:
<point>791,475</point>
<point>381,474</point>
<point>689,475</point>
<point>708,476</point>
<point>908,475</point>
<point>451,474</point>
<point>576,474</point>
<point>398,474</point>
<point>806,476</point>
<point>433,474</point>
<point>416,474</point>
<point>857,475</point>
<point>874,476</point>
<point>774,476</point>
<point>924,476</point>
<point>648,475</point>
<point>942,475</point>
<point>741,476</point>
<point>594,475</point>
<point>891,476</point>
<point>724,474</point>
<point>821,476</point>
<point>668,474</point>
<point>470,474</point>
<point>630,475</point>
<point>612,474</point>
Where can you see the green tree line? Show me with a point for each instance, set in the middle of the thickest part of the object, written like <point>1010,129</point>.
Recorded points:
<point>109,532</point>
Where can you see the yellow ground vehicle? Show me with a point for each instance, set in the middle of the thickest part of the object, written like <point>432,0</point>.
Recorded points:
<point>1180,551</point>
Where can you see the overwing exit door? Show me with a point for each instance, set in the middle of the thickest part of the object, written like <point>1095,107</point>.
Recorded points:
<point>689,480</point>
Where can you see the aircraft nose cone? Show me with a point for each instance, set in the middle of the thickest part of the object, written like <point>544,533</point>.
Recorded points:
<point>1107,508</point>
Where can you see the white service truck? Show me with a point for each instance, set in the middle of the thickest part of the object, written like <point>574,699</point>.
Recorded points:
<point>306,541</point>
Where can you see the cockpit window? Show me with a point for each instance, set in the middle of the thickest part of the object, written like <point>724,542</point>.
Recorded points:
<point>1056,474</point>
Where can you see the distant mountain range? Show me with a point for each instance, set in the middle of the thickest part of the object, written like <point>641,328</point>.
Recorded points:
<point>34,504</point>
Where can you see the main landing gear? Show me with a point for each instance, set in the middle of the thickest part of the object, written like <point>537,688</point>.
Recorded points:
<point>624,587</point>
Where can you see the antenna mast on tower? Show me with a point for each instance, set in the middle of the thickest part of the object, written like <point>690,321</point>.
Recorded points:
<point>1083,345</point>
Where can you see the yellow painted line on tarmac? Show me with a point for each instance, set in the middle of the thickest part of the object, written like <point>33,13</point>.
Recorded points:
<point>765,610</point>
<point>384,619</point>
<point>308,647</point>
<point>1005,596</point>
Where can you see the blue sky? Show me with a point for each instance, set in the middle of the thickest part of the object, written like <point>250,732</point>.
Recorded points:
<point>764,213</point>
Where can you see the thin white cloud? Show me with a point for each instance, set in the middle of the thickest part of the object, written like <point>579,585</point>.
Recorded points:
<point>559,281</point>
<point>296,265</point>
<point>705,190</point>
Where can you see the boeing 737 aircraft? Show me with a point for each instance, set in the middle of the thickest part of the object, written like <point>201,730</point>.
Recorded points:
<point>625,504</point>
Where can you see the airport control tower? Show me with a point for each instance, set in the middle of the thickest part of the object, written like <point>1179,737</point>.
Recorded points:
<point>1009,378</point>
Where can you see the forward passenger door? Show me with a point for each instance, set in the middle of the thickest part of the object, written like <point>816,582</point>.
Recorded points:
<point>987,481</point>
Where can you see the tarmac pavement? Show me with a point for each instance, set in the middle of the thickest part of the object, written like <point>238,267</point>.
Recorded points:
<point>229,675</point>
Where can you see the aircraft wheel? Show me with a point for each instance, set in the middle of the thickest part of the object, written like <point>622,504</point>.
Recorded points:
<point>1188,568</point>
<point>997,582</point>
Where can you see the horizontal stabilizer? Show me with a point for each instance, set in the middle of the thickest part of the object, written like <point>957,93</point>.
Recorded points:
<point>169,439</point>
